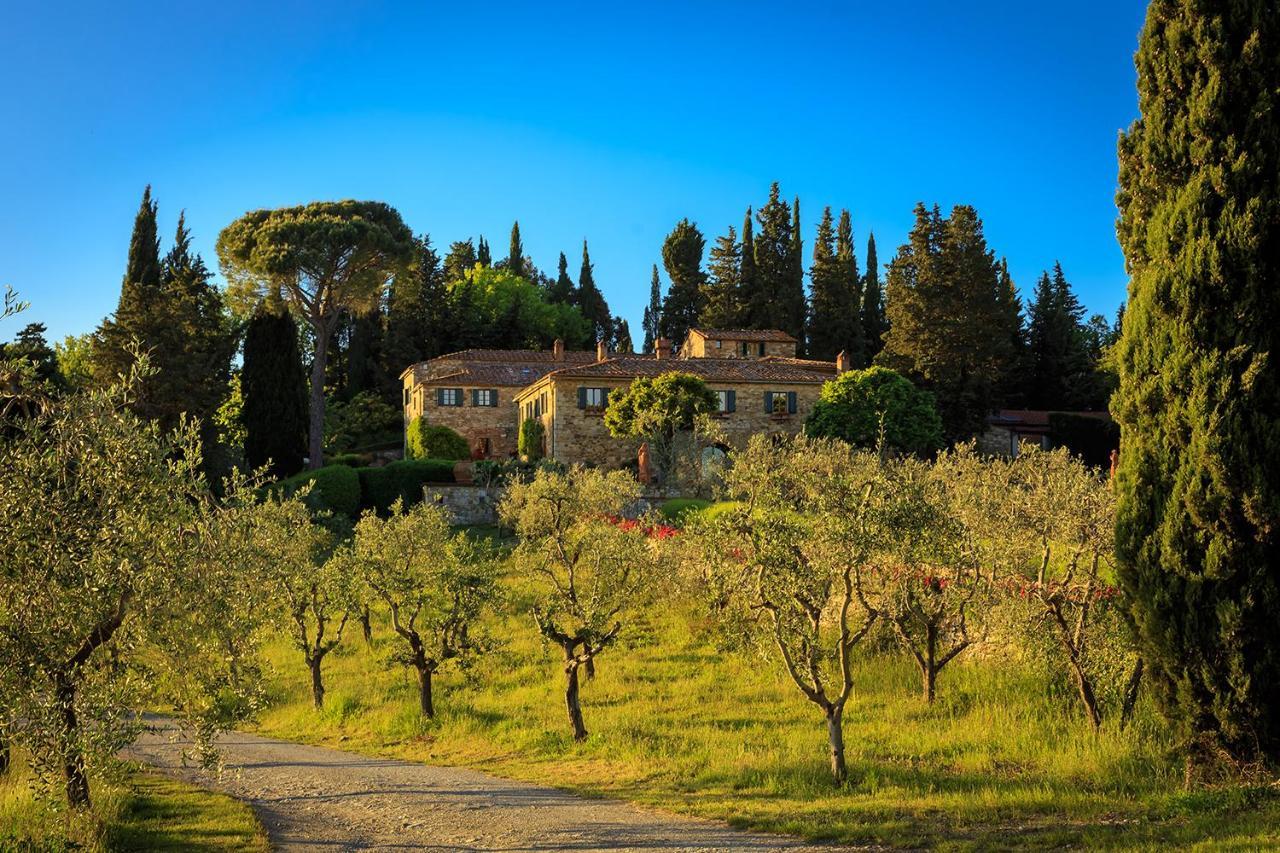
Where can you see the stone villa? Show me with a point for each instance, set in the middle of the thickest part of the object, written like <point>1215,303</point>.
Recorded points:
<point>485,394</point>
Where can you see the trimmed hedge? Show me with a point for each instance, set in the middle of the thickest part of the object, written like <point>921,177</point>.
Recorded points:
<point>676,509</point>
<point>432,441</point>
<point>337,488</point>
<point>530,442</point>
<point>405,480</point>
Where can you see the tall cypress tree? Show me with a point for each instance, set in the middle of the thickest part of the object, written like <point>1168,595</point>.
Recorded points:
<point>749,295</point>
<point>483,256</point>
<point>830,312</point>
<point>794,304</point>
<point>1198,486</point>
<point>138,317</point>
<point>722,296</point>
<point>682,258</point>
<point>769,308</point>
<point>622,336</point>
<point>874,322</point>
<point>946,329</point>
<point>561,291</point>
<point>1009,306</point>
<point>591,303</point>
<point>515,254</point>
<point>855,344</point>
<point>653,313</point>
<point>273,385</point>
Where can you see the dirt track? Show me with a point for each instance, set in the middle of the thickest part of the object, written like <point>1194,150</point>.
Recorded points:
<point>312,798</point>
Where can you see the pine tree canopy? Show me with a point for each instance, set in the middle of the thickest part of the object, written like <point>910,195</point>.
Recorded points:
<point>722,306</point>
<point>945,325</point>
<point>1198,402</point>
<point>682,258</point>
<point>591,303</point>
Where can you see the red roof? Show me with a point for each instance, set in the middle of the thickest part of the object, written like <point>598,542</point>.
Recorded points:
<point>714,369</point>
<point>1036,417</point>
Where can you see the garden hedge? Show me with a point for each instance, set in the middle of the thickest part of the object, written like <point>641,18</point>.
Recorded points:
<point>337,488</point>
<point>432,441</point>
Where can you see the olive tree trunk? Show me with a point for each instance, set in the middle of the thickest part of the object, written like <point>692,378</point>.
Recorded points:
<point>317,681</point>
<point>835,738</point>
<point>424,690</point>
<point>571,701</point>
<point>73,768</point>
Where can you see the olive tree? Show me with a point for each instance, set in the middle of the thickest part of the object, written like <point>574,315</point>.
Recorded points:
<point>670,412</point>
<point>311,579</point>
<point>114,556</point>
<point>324,259</point>
<point>788,564</point>
<point>590,571</point>
<point>434,583</point>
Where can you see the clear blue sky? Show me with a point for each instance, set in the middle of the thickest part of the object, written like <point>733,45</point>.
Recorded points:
<point>604,121</point>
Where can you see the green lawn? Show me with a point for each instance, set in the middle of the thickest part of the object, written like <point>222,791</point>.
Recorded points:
<point>1000,761</point>
<point>135,810</point>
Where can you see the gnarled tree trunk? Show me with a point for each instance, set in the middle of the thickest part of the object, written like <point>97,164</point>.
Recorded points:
<point>835,738</point>
<point>424,690</point>
<point>73,769</point>
<point>317,682</point>
<point>571,701</point>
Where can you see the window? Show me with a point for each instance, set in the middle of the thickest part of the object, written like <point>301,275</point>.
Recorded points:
<point>761,349</point>
<point>448,396</point>
<point>780,402</point>
<point>406,396</point>
<point>718,344</point>
<point>592,398</point>
<point>746,349</point>
<point>484,397</point>
<point>725,402</point>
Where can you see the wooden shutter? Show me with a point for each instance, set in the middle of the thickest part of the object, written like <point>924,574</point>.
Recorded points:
<point>731,402</point>
<point>582,397</point>
<point>493,397</point>
<point>791,402</point>
<point>439,396</point>
<point>768,402</point>
<point>475,396</point>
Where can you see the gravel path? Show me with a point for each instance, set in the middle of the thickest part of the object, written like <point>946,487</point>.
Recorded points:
<point>311,798</point>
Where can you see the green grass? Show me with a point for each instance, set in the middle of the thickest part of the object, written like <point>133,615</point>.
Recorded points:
<point>1000,761</point>
<point>133,810</point>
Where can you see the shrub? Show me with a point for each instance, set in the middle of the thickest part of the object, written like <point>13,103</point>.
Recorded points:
<point>677,509</point>
<point>851,406</point>
<point>432,441</point>
<point>364,419</point>
<point>404,480</point>
<point>351,460</point>
<point>337,488</point>
<point>502,472</point>
<point>532,434</point>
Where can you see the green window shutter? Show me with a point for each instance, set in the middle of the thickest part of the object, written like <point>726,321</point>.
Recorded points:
<point>582,397</point>
<point>768,402</point>
<point>493,397</point>
<point>791,402</point>
<point>731,404</point>
<point>439,396</point>
<point>475,396</point>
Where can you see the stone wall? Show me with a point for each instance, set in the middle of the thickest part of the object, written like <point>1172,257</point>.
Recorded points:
<point>467,504</point>
<point>499,424</point>
<point>697,346</point>
<point>579,435</point>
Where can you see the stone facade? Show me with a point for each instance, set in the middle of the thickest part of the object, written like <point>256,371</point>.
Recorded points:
<point>726,343</point>
<point>492,431</point>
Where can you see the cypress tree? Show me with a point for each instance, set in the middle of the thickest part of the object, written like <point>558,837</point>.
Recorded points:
<point>1198,486</point>
<point>622,336</point>
<point>794,304</point>
<point>874,322</point>
<point>769,308</point>
<point>721,300</point>
<point>653,313</point>
<point>750,299</point>
<point>591,303</point>
<point>830,312</point>
<point>855,344</point>
<point>515,254</point>
<point>137,317</point>
<point>483,258</point>
<point>682,258</point>
<point>273,385</point>
<point>561,290</point>
<point>1009,308</point>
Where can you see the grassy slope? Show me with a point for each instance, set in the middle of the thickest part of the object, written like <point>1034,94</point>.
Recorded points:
<point>139,811</point>
<point>996,763</point>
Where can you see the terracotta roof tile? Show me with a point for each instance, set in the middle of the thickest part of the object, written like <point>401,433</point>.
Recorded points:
<point>712,369</point>
<point>828,367</point>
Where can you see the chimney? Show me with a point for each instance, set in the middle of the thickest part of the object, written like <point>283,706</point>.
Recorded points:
<point>602,350</point>
<point>557,350</point>
<point>662,348</point>
<point>842,362</point>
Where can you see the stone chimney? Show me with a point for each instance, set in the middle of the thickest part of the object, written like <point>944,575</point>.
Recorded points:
<point>842,362</point>
<point>662,348</point>
<point>602,350</point>
<point>557,350</point>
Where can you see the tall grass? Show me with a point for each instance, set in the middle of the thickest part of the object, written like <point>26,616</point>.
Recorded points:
<point>1002,759</point>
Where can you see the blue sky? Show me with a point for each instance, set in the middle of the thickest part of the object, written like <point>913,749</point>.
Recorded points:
<point>604,121</point>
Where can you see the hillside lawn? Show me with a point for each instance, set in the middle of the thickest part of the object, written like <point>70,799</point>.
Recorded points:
<point>133,810</point>
<point>1002,760</point>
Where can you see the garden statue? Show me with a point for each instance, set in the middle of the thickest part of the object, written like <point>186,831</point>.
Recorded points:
<point>644,473</point>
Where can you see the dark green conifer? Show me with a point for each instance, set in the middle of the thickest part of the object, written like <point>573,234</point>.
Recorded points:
<point>682,257</point>
<point>273,387</point>
<point>1198,486</point>
<point>653,313</point>
<point>874,323</point>
<point>515,254</point>
<point>483,257</point>
<point>773,265</point>
<point>561,290</point>
<point>591,302</point>
<point>722,292</point>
